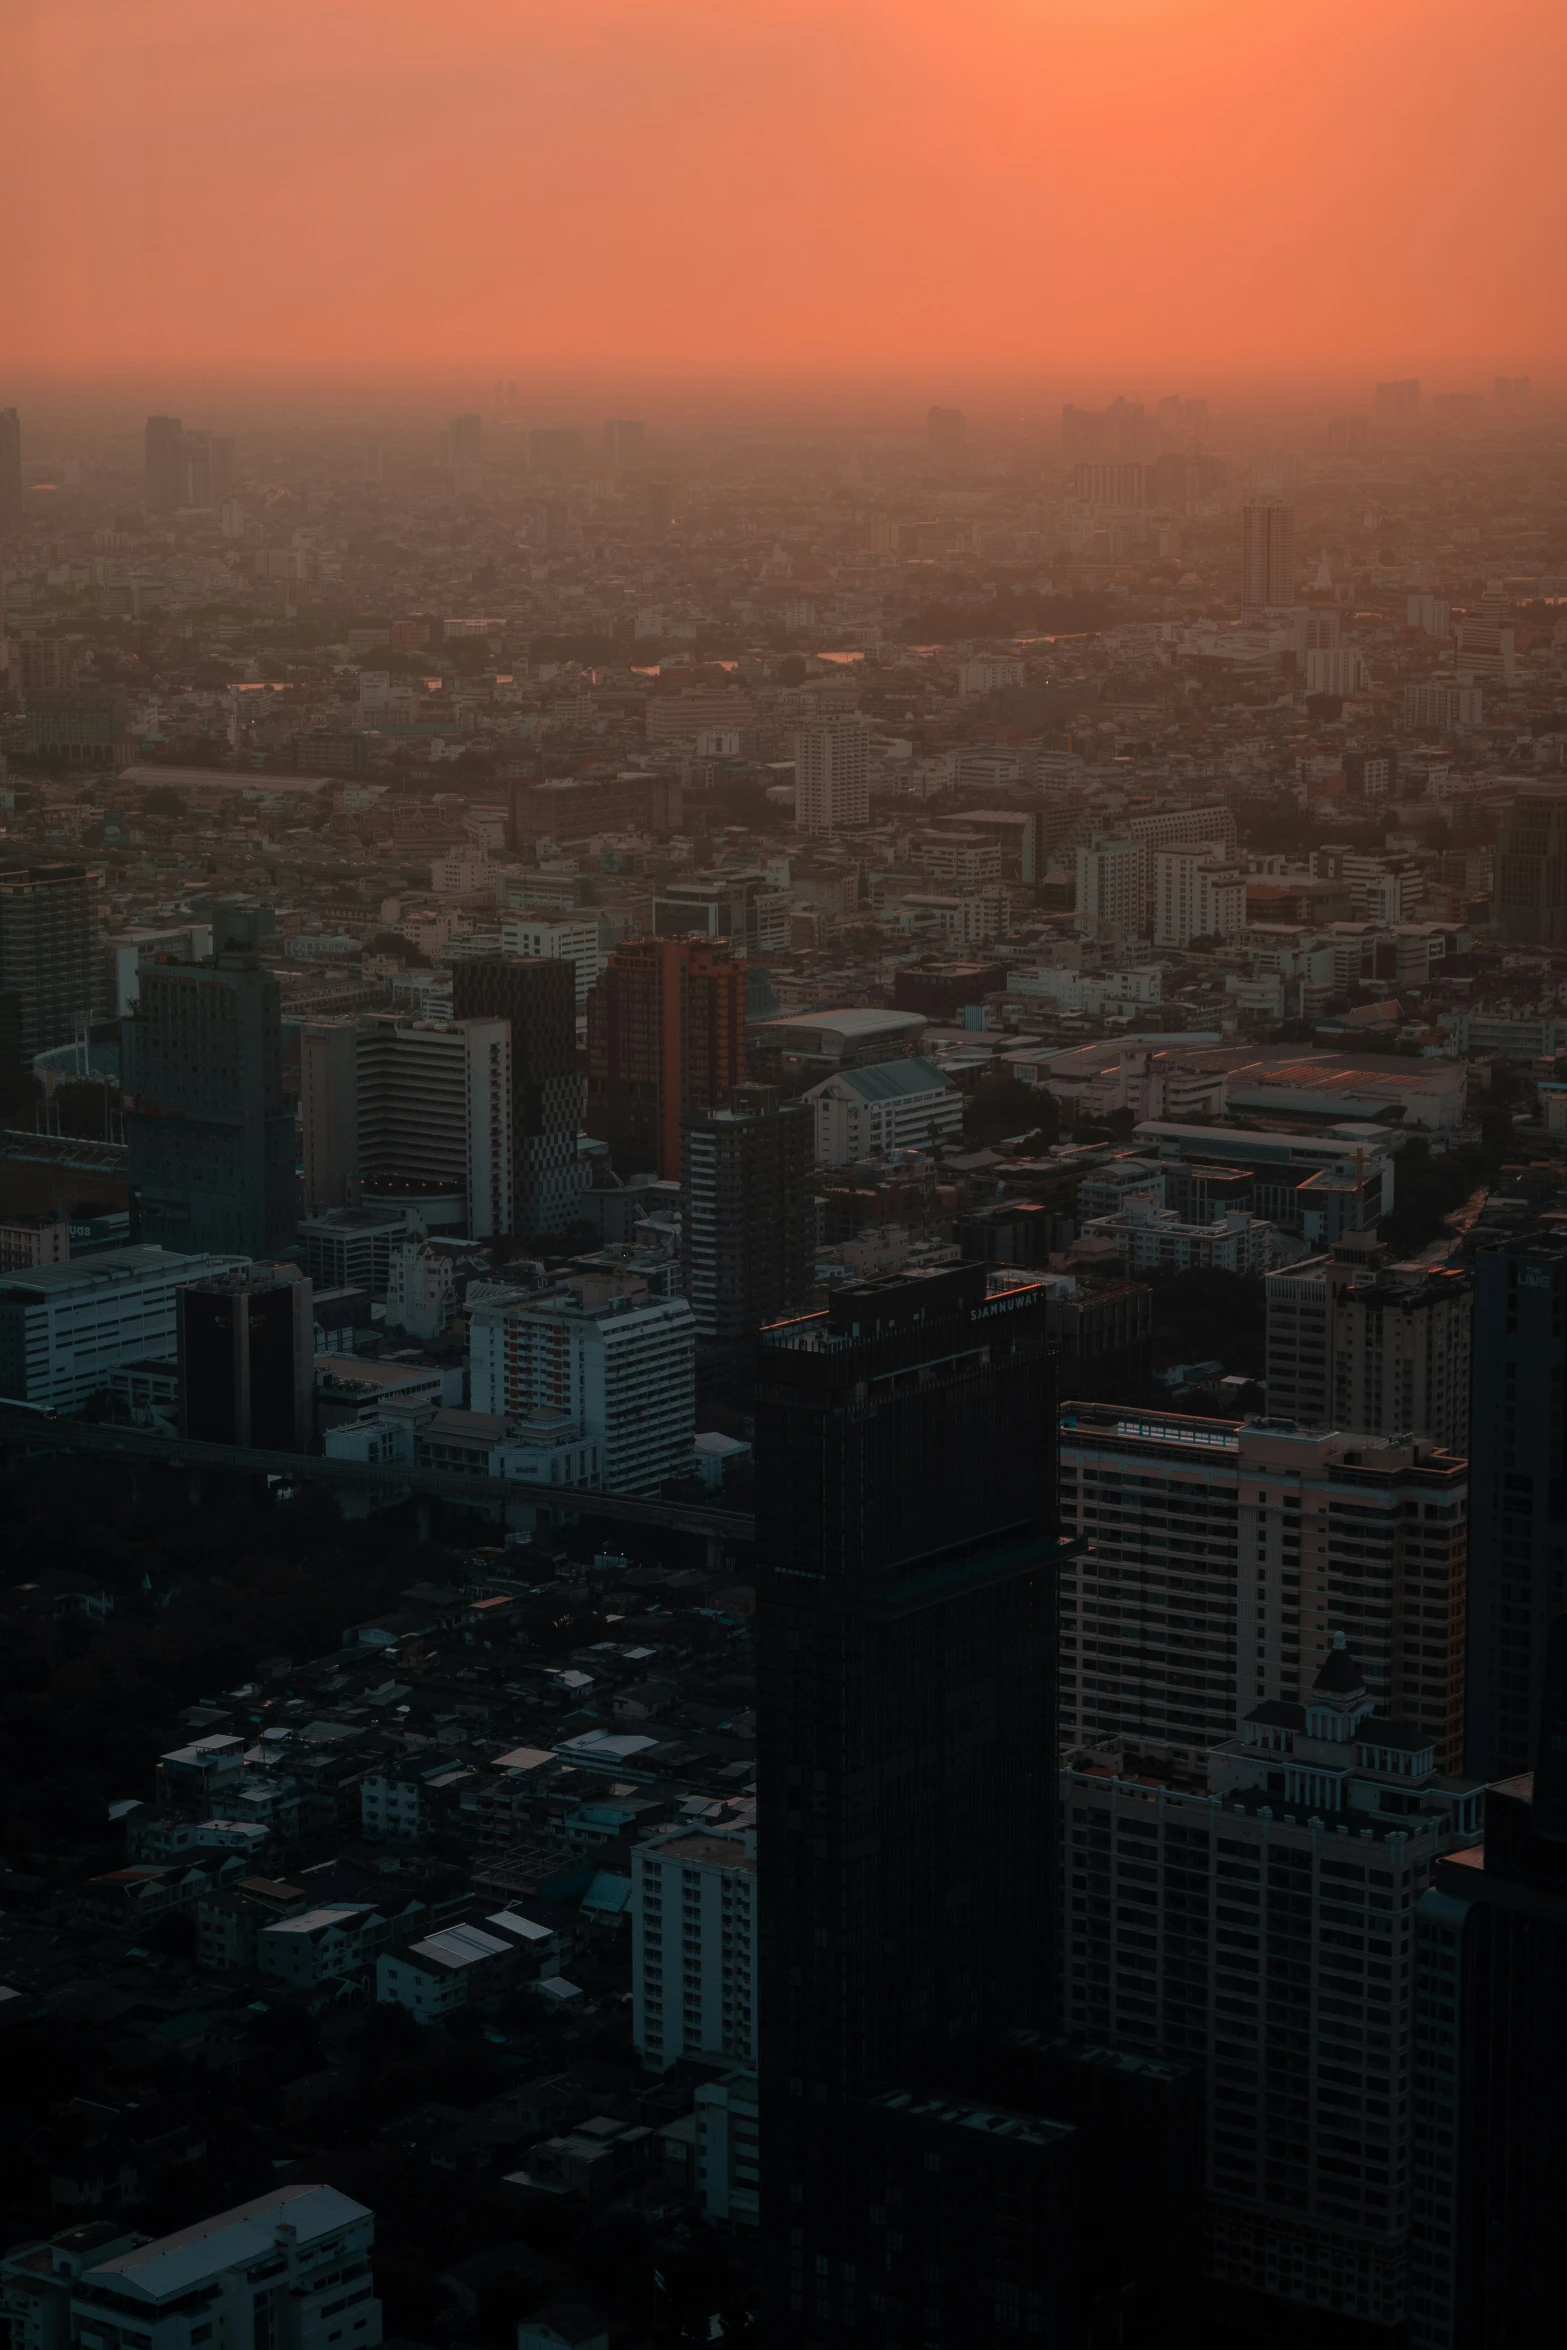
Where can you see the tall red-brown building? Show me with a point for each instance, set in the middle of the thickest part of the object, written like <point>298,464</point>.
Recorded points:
<point>666,1034</point>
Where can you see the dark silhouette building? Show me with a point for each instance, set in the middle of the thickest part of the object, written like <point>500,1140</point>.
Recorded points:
<point>1517,1528</point>
<point>10,470</point>
<point>747,1211</point>
<point>1489,2264</point>
<point>538,995</point>
<point>210,1129</point>
<point>666,1035</point>
<point>164,442</point>
<point>247,1360</point>
<point>48,950</point>
<point>907,1656</point>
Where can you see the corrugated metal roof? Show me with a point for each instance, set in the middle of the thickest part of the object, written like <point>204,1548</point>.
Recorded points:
<point>887,1081</point>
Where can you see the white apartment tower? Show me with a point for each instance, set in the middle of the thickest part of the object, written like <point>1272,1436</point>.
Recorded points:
<point>1110,887</point>
<point>693,1949</point>
<point>831,777</point>
<point>1196,895</point>
<point>424,1100</point>
<point>617,1362</point>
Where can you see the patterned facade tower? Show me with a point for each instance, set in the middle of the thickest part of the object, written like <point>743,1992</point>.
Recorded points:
<point>537,994</point>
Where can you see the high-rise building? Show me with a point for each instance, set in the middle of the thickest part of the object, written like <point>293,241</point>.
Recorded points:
<point>1398,402</point>
<point>1355,1341</point>
<point>1217,1558</point>
<point>210,1129</point>
<point>747,1214</point>
<point>10,470</point>
<point>946,434</point>
<point>1112,887</point>
<point>666,1034</point>
<point>693,1949</point>
<point>1267,554</point>
<point>465,440</point>
<point>247,1359</point>
<point>1256,1915</point>
<point>625,442</point>
<point>906,1639</point>
<point>1196,895</point>
<point>1531,868</point>
<point>1518,1528</point>
<point>164,439</point>
<point>567,938</point>
<point>832,791</point>
<point>1489,2259</point>
<point>48,950</point>
<point>538,995</point>
<point>410,1103</point>
<point>609,1359</point>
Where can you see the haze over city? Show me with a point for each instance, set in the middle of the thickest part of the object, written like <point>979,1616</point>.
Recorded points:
<point>783,1175</point>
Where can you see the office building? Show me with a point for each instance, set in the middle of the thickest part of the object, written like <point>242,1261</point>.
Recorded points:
<point>1111,886</point>
<point>415,1105</point>
<point>286,2271</point>
<point>906,1639</point>
<point>1443,707</point>
<point>537,995</point>
<point>1355,1341</point>
<point>247,1359</point>
<point>893,1106</point>
<point>1197,894</point>
<point>693,1949</point>
<point>946,434</point>
<point>617,1363</point>
<point>572,939</point>
<point>163,440</point>
<point>10,470</point>
<point>747,1212</point>
<point>1518,1531</point>
<point>1267,554</point>
<point>1256,1915</point>
<point>210,1129</point>
<point>1530,897</point>
<point>1398,402</point>
<point>666,1035</point>
<point>1485,655</point>
<point>65,1328</point>
<point>1489,2259</point>
<point>747,909</point>
<point>832,791</point>
<point>625,443</point>
<point>1219,1557</point>
<point>48,951</point>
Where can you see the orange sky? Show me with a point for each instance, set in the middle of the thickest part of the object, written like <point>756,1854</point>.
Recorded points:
<point>743,187</point>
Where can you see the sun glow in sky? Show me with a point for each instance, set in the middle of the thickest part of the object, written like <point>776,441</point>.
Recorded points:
<point>747,187</point>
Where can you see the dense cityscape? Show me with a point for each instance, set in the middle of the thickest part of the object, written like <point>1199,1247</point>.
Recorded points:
<point>783,1373</point>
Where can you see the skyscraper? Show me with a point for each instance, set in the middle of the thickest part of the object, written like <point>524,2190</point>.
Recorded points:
<point>831,777</point>
<point>10,470</point>
<point>164,440</point>
<point>1267,554</point>
<point>210,1129</point>
<point>746,1211</point>
<point>48,950</point>
<point>1256,1915</point>
<point>906,1643</point>
<point>419,1104</point>
<point>1355,1341</point>
<point>946,433</point>
<point>247,1359</point>
<point>1518,1524</point>
<point>666,1034</point>
<point>537,994</point>
<point>1489,2260</point>
<point>1531,868</point>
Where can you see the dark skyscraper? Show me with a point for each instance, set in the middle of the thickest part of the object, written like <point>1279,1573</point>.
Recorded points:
<point>165,445</point>
<point>10,470</point>
<point>1267,554</point>
<point>538,995</point>
<point>1517,1530</point>
<point>210,1129</point>
<point>747,1214</point>
<point>907,1657</point>
<point>666,1034</point>
<point>247,1360</point>
<point>1489,2264</point>
<point>48,950</point>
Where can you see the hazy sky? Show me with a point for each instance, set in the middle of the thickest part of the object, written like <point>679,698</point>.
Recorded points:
<point>751,186</point>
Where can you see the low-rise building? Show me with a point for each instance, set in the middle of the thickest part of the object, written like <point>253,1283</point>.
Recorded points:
<point>895,1105</point>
